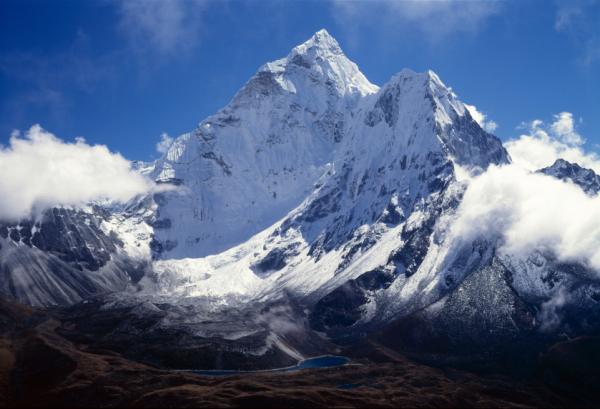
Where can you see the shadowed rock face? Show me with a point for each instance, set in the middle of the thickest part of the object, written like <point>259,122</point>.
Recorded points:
<point>73,236</point>
<point>587,179</point>
<point>63,257</point>
<point>342,308</point>
<point>275,260</point>
<point>189,336</point>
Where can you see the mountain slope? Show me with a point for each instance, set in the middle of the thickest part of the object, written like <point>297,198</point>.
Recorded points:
<point>64,256</point>
<point>256,159</point>
<point>79,374</point>
<point>373,210</point>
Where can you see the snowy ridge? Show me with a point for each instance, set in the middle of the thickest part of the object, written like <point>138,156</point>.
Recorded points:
<point>389,179</point>
<point>322,54</point>
<point>258,158</point>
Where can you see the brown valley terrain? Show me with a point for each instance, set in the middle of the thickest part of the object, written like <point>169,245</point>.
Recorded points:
<point>42,368</point>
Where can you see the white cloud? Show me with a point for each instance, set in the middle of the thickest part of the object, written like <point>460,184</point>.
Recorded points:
<point>567,14</point>
<point>564,129</point>
<point>434,18</point>
<point>167,27</point>
<point>578,19</point>
<point>39,170</point>
<point>487,124</point>
<point>543,144</point>
<point>165,142</point>
<point>523,210</point>
<point>529,211</point>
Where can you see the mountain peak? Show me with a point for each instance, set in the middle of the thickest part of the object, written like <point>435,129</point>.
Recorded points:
<point>321,41</point>
<point>407,72</point>
<point>427,80</point>
<point>413,101</point>
<point>562,163</point>
<point>411,85</point>
<point>323,34</point>
<point>322,55</point>
<point>587,179</point>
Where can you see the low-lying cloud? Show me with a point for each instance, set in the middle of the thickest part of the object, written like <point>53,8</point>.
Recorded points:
<point>527,210</point>
<point>531,211</point>
<point>40,170</point>
<point>549,315</point>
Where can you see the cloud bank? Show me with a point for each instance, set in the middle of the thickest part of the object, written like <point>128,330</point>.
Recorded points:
<point>544,143</point>
<point>40,170</point>
<point>528,211</point>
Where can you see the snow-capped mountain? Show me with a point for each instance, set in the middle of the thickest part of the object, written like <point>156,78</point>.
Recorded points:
<point>369,243</point>
<point>247,166</point>
<point>369,219</point>
<point>315,190</point>
<point>388,177</point>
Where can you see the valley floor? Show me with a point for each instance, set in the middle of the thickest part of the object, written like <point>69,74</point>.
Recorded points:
<point>40,368</point>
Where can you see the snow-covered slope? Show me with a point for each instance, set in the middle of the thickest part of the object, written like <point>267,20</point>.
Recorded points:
<point>390,178</point>
<point>248,165</point>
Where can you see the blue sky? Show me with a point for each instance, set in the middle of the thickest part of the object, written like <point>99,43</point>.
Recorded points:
<point>121,73</point>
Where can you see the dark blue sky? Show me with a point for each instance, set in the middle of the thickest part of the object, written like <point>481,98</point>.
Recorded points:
<point>122,72</point>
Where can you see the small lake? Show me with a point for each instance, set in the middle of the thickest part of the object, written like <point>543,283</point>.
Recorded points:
<point>325,361</point>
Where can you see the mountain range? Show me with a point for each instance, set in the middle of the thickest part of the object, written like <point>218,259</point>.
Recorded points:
<point>312,212</point>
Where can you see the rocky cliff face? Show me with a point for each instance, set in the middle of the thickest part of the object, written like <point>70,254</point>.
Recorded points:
<point>64,256</point>
<point>587,179</point>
